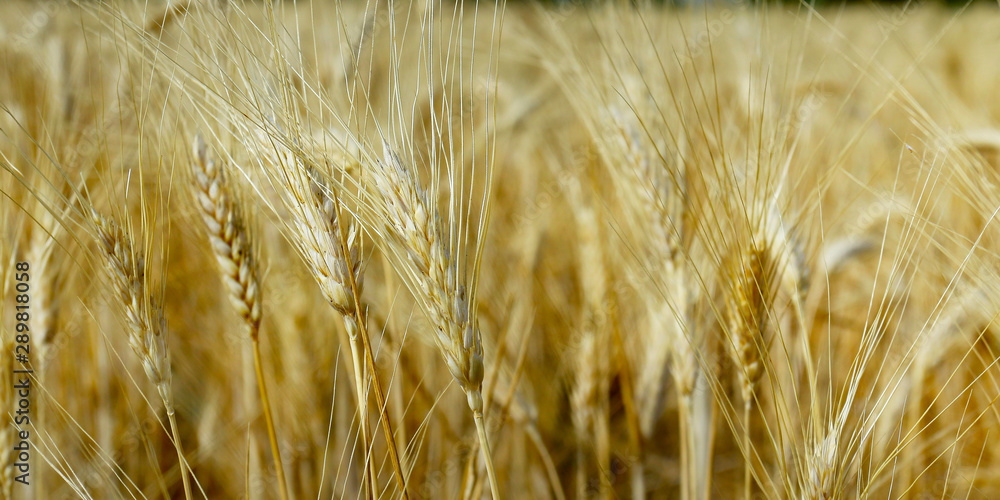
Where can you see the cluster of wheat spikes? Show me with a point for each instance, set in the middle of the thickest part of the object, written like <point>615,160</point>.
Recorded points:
<point>483,250</point>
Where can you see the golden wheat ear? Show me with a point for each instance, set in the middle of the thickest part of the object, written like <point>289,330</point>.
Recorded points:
<point>232,241</point>
<point>229,237</point>
<point>327,236</point>
<point>142,316</point>
<point>342,280</point>
<point>415,234</point>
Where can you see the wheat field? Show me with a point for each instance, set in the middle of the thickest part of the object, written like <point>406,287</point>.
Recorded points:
<point>372,250</point>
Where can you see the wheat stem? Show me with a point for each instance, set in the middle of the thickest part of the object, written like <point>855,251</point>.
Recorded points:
<point>484,442</point>
<point>683,422</point>
<point>550,466</point>
<point>174,431</point>
<point>272,435</point>
<point>746,449</point>
<point>380,401</point>
<point>359,384</point>
<point>348,304</point>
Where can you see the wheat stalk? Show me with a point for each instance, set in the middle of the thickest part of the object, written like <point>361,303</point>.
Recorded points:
<point>143,317</point>
<point>592,369</point>
<point>746,321</point>
<point>231,243</point>
<point>416,235</point>
<point>343,287</point>
<point>655,202</point>
<point>330,247</point>
<point>586,400</point>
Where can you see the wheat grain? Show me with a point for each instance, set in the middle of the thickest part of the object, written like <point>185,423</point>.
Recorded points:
<point>228,235</point>
<point>143,316</point>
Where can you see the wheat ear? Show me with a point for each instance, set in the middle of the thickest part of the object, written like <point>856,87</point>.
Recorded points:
<point>416,235</point>
<point>343,288</point>
<point>231,243</point>
<point>144,322</point>
<point>331,251</point>
<point>316,234</point>
<point>653,188</point>
<point>747,319</point>
<point>589,395</point>
<point>820,482</point>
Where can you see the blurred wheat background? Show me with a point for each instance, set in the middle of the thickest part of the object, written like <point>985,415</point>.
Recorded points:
<point>476,250</point>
